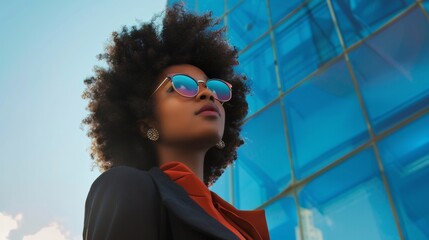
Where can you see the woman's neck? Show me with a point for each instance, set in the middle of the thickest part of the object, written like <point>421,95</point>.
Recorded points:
<point>193,159</point>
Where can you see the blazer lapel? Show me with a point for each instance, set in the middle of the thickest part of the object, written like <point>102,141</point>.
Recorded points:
<point>176,199</point>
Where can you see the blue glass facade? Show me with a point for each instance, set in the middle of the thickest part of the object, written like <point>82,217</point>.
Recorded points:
<point>337,135</point>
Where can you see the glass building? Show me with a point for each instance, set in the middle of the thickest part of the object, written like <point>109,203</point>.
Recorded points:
<point>337,135</point>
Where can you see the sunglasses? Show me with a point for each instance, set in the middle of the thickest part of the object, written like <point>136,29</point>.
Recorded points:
<point>187,86</point>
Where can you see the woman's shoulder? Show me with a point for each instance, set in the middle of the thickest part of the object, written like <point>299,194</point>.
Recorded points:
<point>123,174</point>
<point>122,203</point>
<point>123,180</point>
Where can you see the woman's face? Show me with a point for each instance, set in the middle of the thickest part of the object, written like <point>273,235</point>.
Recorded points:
<point>178,122</point>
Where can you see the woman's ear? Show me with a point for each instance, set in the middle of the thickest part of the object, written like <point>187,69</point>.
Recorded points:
<point>143,126</point>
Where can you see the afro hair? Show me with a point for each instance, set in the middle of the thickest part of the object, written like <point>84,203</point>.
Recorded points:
<point>119,94</point>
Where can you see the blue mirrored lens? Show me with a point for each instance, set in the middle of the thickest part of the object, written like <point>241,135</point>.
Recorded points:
<point>221,91</point>
<point>185,85</point>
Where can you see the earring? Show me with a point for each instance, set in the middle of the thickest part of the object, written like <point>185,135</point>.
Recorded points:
<point>152,134</point>
<point>220,144</point>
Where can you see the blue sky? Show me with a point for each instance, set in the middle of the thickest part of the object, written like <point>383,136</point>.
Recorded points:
<point>47,49</point>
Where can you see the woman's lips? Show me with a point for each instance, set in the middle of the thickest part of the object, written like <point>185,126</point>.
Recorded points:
<point>209,113</point>
<point>208,107</point>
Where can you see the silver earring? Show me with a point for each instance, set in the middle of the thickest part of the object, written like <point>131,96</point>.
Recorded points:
<point>152,134</point>
<point>220,144</point>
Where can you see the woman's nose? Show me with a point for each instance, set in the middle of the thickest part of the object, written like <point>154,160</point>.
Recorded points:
<point>204,92</point>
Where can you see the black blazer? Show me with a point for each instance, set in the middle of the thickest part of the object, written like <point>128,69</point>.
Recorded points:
<point>127,203</point>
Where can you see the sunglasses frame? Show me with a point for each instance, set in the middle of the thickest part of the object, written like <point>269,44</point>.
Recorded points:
<point>171,75</point>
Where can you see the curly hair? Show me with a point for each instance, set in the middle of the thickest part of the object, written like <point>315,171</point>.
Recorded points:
<point>119,94</point>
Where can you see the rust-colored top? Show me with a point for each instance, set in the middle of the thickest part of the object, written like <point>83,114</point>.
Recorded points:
<point>246,224</point>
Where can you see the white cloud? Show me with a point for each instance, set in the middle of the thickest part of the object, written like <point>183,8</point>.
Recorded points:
<point>7,224</point>
<point>51,232</point>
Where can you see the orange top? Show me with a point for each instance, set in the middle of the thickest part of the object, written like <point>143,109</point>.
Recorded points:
<point>246,224</point>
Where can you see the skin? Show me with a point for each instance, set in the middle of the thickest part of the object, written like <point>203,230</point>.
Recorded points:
<point>184,136</point>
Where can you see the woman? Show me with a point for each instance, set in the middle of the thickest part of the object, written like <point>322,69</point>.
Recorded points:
<point>165,120</point>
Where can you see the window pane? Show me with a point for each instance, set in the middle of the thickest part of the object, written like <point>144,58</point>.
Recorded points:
<point>247,22</point>
<point>258,64</point>
<point>358,19</point>
<point>222,186</point>
<point>305,42</point>
<point>282,219</point>
<point>262,168</point>
<point>324,119</point>
<point>392,72</point>
<point>234,3</point>
<point>405,155</point>
<point>281,8</point>
<point>217,7</point>
<point>348,202</point>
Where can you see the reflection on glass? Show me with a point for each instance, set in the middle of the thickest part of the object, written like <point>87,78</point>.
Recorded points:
<point>405,155</point>
<point>348,202</point>
<point>257,64</point>
<point>307,222</point>
<point>222,186</point>
<point>426,5</point>
<point>305,42</point>
<point>392,72</point>
<point>233,3</point>
<point>262,168</point>
<point>216,7</point>
<point>281,8</point>
<point>282,219</point>
<point>247,22</point>
<point>359,19</point>
<point>325,120</point>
